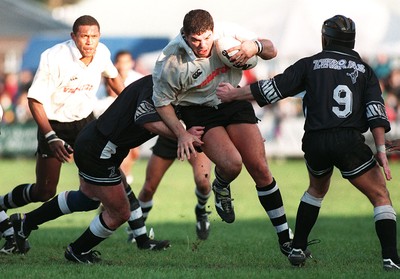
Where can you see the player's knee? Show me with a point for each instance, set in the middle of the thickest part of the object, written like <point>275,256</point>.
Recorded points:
<point>379,197</point>
<point>44,195</point>
<point>203,184</point>
<point>147,192</point>
<point>230,169</point>
<point>118,216</point>
<point>125,215</point>
<point>78,201</point>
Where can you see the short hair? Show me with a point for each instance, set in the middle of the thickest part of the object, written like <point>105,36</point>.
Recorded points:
<point>197,22</point>
<point>84,20</point>
<point>122,52</point>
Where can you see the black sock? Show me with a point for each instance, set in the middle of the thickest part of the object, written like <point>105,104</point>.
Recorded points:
<point>47,211</point>
<point>136,221</point>
<point>271,200</point>
<point>88,239</point>
<point>307,215</point>
<point>18,197</point>
<point>219,182</point>
<point>386,231</point>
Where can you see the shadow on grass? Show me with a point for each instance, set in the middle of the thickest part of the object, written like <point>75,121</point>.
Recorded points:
<point>247,247</point>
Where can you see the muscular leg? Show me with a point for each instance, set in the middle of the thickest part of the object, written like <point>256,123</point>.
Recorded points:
<point>155,170</point>
<point>47,176</point>
<point>308,210</point>
<point>373,185</point>
<point>201,166</point>
<point>250,144</point>
<point>218,146</point>
<point>116,212</point>
<point>228,164</point>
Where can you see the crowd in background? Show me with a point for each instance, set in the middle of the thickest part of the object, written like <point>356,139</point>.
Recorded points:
<point>14,88</point>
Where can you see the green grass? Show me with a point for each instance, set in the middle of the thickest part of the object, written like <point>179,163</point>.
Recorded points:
<point>247,248</point>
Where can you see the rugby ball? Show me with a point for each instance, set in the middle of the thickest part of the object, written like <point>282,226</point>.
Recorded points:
<point>225,43</point>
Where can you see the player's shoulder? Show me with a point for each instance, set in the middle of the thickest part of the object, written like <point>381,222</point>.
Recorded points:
<point>59,48</point>
<point>172,59</point>
<point>102,48</point>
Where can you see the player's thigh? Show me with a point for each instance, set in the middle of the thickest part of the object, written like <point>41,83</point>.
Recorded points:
<point>373,185</point>
<point>220,149</point>
<point>250,144</point>
<point>248,141</point>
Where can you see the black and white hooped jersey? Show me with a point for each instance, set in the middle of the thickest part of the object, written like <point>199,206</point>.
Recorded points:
<point>122,123</point>
<point>341,90</point>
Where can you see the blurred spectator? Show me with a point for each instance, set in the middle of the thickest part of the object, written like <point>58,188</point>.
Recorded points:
<point>13,89</point>
<point>381,66</point>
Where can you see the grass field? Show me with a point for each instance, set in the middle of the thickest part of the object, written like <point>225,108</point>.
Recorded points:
<point>247,248</point>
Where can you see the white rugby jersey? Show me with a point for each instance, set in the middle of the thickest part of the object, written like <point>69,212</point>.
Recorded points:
<point>181,78</point>
<point>65,85</point>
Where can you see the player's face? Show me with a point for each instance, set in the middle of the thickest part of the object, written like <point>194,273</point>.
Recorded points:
<point>201,44</point>
<point>86,40</point>
<point>124,63</point>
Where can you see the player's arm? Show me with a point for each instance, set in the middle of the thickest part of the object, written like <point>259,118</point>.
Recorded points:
<point>185,139</point>
<point>159,128</point>
<point>116,84</point>
<point>227,93</point>
<point>57,145</point>
<point>379,139</point>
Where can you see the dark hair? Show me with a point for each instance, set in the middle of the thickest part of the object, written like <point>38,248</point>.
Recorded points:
<point>84,20</point>
<point>339,30</point>
<point>197,22</point>
<point>122,52</point>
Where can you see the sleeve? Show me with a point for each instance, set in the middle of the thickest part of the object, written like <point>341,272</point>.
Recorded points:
<point>288,84</point>
<point>146,112</point>
<point>45,81</point>
<point>165,83</point>
<point>375,106</point>
<point>110,71</point>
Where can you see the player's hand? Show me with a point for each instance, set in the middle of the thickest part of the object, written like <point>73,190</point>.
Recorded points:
<point>224,92</point>
<point>392,145</point>
<point>61,150</point>
<point>186,146</point>
<point>383,162</point>
<point>245,51</point>
<point>196,131</point>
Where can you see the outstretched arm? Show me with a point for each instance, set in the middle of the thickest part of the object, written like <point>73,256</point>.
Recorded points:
<point>185,139</point>
<point>227,93</point>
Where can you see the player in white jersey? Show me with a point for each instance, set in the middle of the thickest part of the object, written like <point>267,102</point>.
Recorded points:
<point>186,77</point>
<point>61,100</point>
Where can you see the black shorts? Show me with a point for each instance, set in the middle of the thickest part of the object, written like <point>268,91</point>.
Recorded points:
<point>67,131</point>
<point>165,148</point>
<point>222,115</point>
<point>342,148</point>
<point>98,160</point>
